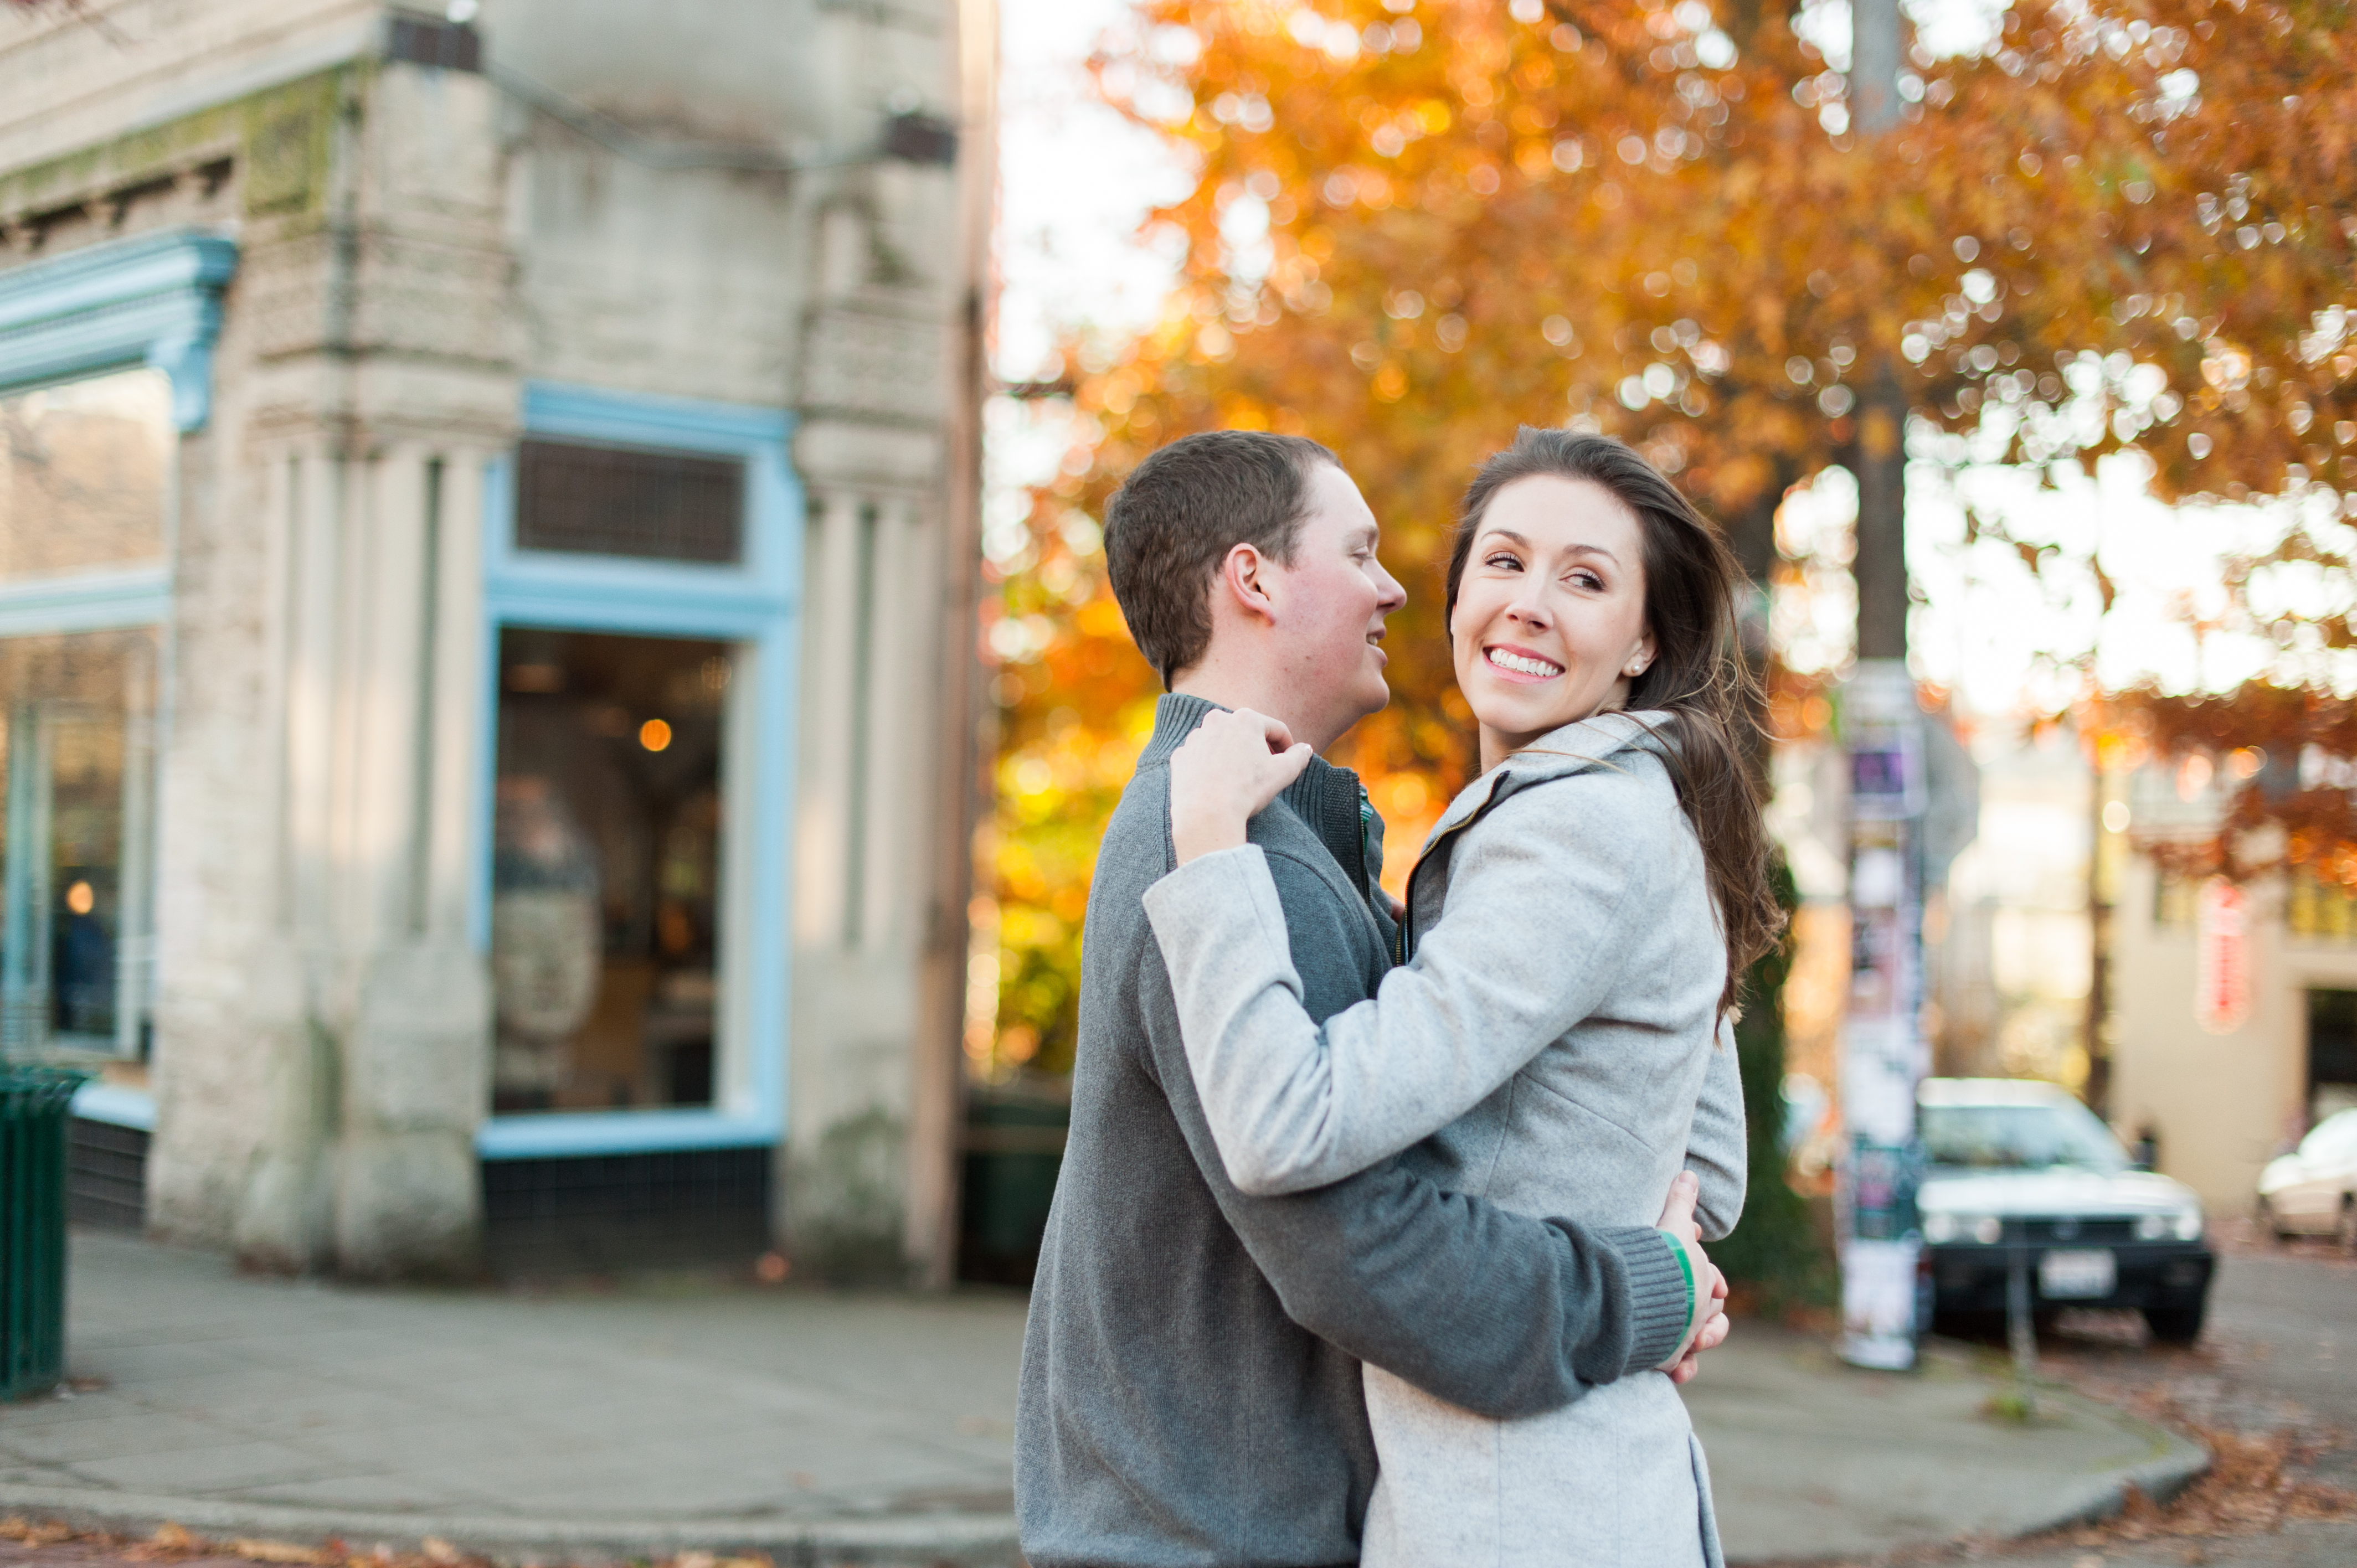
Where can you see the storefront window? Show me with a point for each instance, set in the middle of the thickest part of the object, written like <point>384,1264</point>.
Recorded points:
<point>78,754</point>
<point>83,471</point>
<point>605,895</point>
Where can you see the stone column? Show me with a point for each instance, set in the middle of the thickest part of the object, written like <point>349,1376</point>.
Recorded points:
<point>869,712</point>
<point>415,999</point>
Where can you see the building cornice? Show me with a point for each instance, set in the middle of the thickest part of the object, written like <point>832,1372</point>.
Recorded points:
<point>155,300</point>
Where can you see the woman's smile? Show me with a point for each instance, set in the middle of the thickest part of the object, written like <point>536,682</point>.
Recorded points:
<point>1521,664</point>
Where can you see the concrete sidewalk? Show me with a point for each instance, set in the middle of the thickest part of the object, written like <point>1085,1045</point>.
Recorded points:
<point>826,1428</point>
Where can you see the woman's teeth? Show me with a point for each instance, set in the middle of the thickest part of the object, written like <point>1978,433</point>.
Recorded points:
<point>1522,666</point>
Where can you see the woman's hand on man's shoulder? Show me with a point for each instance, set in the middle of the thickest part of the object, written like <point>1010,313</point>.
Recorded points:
<point>1228,771</point>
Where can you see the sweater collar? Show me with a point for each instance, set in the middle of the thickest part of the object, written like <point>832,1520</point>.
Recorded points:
<point>1174,719</point>
<point>1325,798</point>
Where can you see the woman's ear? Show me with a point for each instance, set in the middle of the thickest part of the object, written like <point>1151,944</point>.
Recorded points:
<point>1641,659</point>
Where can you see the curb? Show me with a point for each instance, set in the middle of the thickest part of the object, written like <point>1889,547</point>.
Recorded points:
<point>2174,1463</point>
<point>905,1541</point>
<point>2179,1463</point>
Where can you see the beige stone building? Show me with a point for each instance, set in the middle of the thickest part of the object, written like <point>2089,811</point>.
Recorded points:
<point>486,576</point>
<point>2234,1022</point>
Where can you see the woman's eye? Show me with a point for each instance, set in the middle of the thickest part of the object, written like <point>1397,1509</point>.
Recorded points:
<point>1587,580</point>
<point>1503,561</point>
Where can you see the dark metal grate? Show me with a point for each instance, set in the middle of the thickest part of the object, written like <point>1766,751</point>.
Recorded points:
<point>615,500</point>
<point>106,1174</point>
<point>615,1213</point>
<point>429,40</point>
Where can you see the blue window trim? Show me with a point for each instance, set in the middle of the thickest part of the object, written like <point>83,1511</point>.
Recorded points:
<point>115,1104</point>
<point>758,604</point>
<point>154,300</point>
<point>86,601</point>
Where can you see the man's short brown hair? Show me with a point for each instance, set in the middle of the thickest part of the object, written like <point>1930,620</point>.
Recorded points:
<point>1178,514</point>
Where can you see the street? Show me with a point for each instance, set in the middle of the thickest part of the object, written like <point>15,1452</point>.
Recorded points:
<point>2271,1387</point>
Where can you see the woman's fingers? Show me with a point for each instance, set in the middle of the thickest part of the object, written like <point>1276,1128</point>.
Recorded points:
<point>1248,755</point>
<point>1287,767</point>
<point>1226,772</point>
<point>1678,1213</point>
<point>1273,730</point>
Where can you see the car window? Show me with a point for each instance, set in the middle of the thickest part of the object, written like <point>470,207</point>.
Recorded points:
<point>2334,1138</point>
<point>2019,1137</point>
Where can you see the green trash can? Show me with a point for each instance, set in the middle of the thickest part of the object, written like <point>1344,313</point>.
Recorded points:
<point>1014,1151</point>
<point>35,1103</point>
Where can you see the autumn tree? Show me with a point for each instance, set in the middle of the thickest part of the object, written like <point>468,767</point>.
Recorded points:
<point>1420,222</point>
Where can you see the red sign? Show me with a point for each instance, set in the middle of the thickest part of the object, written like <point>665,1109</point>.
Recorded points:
<point>2221,972</point>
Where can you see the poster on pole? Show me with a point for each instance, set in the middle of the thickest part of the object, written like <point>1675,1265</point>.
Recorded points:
<point>1879,1303</point>
<point>1883,1050</point>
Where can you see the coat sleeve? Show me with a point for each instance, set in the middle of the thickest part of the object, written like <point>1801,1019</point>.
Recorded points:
<point>1540,905</point>
<point>1718,1150</point>
<point>1498,1313</point>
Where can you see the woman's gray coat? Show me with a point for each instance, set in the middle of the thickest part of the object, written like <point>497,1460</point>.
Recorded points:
<point>1554,1035</point>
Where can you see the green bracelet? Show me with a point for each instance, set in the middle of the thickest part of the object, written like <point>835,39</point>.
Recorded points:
<point>1685,1268</point>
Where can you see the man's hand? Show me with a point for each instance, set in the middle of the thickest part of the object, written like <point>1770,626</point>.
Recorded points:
<point>1713,1334</point>
<point>1231,766</point>
<point>1678,1219</point>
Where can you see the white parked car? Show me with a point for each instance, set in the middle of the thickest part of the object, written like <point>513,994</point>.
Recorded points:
<point>2312,1191</point>
<point>2023,1170</point>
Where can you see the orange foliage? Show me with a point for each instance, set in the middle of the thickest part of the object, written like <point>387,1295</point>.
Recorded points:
<point>2295,746</point>
<point>1421,222</point>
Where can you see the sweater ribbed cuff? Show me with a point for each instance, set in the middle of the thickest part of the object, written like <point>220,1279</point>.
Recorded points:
<point>1661,1295</point>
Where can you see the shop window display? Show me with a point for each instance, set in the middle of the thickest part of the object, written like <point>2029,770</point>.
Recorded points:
<point>606,897</point>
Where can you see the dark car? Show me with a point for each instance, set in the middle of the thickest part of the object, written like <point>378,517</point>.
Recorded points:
<point>2023,1170</point>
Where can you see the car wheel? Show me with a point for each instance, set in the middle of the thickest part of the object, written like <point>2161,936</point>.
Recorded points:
<point>2275,1232</point>
<point>2177,1324</point>
<point>2345,1230</point>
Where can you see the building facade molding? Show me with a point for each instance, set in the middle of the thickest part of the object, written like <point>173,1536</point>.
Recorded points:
<point>154,300</point>
<point>755,605</point>
<point>850,453</point>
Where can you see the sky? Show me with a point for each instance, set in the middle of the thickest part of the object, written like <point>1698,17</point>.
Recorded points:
<point>1078,183</point>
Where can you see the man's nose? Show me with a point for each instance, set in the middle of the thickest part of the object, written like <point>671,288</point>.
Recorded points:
<point>1389,594</point>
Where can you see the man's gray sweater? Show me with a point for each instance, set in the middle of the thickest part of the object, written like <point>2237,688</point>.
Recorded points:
<point>1190,1390</point>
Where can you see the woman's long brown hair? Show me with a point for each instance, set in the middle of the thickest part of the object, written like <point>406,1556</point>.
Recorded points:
<point>1698,675</point>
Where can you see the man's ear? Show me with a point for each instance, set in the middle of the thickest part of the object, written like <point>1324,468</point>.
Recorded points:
<point>1243,579</point>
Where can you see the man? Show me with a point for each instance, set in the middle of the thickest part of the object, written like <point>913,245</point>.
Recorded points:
<point>1190,1390</point>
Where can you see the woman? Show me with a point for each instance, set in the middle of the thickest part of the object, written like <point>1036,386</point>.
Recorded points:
<point>1573,939</point>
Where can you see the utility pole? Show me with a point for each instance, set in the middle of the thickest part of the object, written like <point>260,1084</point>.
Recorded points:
<point>1884,1054</point>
